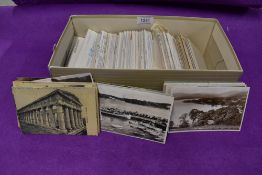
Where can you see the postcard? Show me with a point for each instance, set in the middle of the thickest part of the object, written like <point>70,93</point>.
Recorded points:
<point>84,77</point>
<point>134,112</point>
<point>55,108</point>
<point>208,108</point>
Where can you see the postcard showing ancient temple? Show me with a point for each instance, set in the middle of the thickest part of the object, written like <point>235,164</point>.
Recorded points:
<point>53,110</point>
<point>134,112</point>
<point>208,108</point>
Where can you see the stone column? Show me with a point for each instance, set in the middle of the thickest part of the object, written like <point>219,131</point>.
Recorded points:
<point>25,117</point>
<point>41,117</point>
<point>51,117</point>
<point>37,117</point>
<point>80,118</point>
<point>60,117</point>
<point>47,116</point>
<point>31,117</point>
<point>44,117</point>
<point>76,119</point>
<point>29,120</point>
<point>67,119</point>
<point>34,116</point>
<point>28,117</point>
<point>26,114</point>
<point>72,119</point>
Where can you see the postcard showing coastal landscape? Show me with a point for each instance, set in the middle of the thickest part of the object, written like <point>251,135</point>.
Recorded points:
<point>208,108</point>
<point>134,112</point>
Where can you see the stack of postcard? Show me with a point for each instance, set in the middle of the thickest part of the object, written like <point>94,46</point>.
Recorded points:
<point>176,50</point>
<point>132,50</point>
<point>75,105</point>
<point>61,107</point>
<point>127,50</point>
<point>207,106</point>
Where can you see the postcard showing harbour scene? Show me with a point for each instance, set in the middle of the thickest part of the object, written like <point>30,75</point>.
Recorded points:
<point>208,108</point>
<point>135,112</point>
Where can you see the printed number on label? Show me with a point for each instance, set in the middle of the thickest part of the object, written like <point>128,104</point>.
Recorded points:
<point>145,20</point>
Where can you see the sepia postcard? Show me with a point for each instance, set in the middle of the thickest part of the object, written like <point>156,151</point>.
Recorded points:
<point>208,108</point>
<point>169,85</point>
<point>55,108</point>
<point>134,112</point>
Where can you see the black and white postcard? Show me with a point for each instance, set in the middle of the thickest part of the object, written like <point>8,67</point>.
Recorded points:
<point>54,108</point>
<point>208,108</point>
<point>134,112</point>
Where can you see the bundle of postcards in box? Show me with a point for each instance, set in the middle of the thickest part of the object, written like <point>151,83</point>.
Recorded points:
<point>67,105</point>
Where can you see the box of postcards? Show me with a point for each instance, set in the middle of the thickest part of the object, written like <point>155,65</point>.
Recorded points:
<point>145,51</point>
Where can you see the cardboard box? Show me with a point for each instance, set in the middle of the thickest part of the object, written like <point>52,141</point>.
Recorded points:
<point>218,60</point>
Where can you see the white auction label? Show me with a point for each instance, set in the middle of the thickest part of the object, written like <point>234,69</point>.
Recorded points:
<point>145,20</point>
